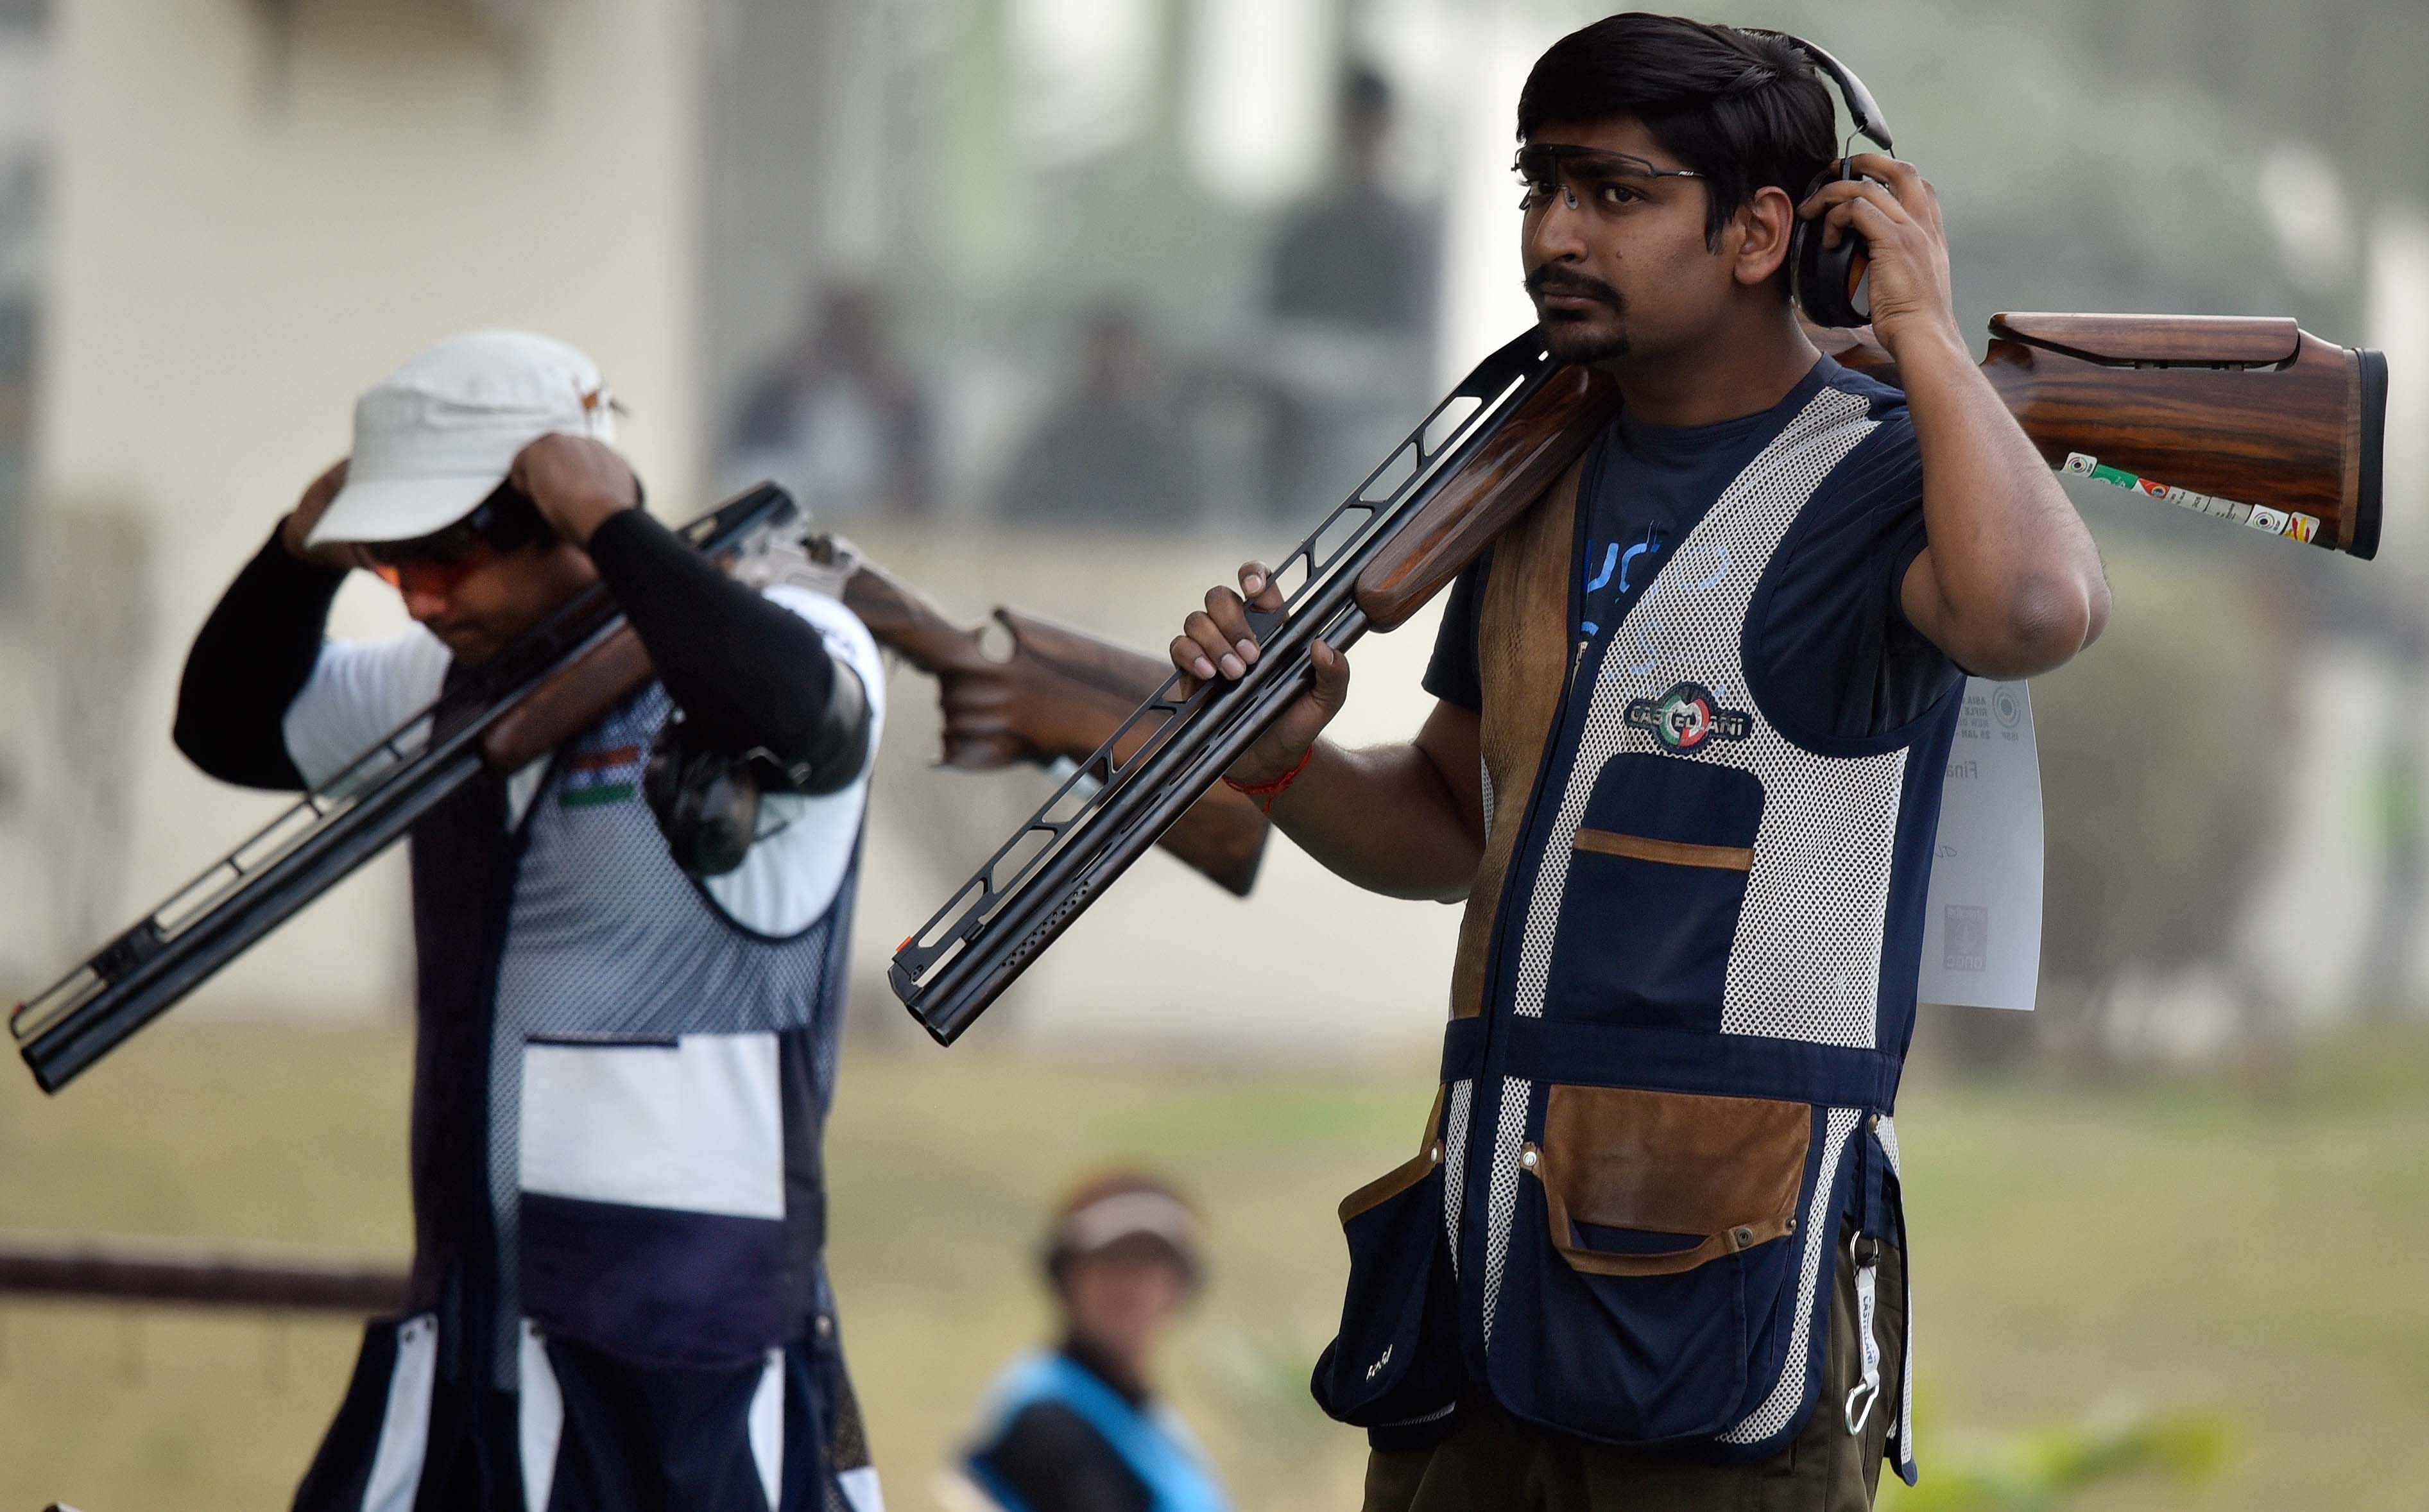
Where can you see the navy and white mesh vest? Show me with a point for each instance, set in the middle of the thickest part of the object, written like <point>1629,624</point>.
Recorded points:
<point>619,1091</point>
<point>1683,993</point>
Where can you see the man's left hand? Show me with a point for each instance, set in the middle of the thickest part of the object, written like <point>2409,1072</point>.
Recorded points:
<point>575,482</point>
<point>1896,209</point>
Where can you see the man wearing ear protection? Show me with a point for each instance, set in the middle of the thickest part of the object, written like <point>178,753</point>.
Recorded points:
<point>623,1064</point>
<point>1684,770</point>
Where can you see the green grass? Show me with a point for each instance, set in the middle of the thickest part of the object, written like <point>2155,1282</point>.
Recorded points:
<point>2189,1248</point>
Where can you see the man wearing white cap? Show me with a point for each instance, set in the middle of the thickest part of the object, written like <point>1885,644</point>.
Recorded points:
<point>622,1065</point>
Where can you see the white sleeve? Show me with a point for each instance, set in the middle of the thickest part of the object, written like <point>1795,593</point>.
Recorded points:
<point>792,878</point>
<point>358,691</point>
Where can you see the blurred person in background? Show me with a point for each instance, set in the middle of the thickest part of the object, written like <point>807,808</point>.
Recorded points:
<point>1350,297</point>
<point>621,1065</point>
<point>837,421</point>
<point>1692,719</point>
<point>1110,452</point>
<point>1077,1428</point>
<point>1357,254</point>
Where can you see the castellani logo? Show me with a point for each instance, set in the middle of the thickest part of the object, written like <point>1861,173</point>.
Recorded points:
<point>1687,716</point>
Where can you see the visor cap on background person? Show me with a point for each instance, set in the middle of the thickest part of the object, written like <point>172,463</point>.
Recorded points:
<point>436,437</point>
<point>1131,1212</point>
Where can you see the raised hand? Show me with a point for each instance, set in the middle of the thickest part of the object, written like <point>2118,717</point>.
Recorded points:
<point>1896,209</point>
<point>293,531</point>
<point>575,482</point>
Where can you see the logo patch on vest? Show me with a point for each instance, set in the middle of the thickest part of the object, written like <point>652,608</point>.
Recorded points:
<point>1687,716</point>
<point>604,776</point>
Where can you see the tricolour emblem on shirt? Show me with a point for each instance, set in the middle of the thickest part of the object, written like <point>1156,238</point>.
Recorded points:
<point>599,776</point>
<point>1687,716</point>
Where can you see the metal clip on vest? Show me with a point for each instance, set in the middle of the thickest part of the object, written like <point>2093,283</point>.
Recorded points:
<point>1865,1252</point>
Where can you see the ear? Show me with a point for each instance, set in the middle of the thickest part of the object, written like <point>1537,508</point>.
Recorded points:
<point>1760,233</point>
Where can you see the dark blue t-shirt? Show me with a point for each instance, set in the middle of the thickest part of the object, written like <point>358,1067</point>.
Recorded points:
<point>1838,651</point>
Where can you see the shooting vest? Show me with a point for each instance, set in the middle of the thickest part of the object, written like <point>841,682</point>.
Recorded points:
<point>618,1206</point>
<point>1149,1441</point>
<point>1684,986</point>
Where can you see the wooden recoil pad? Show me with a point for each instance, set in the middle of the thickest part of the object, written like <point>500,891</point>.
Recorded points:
<point>2253,410</point>
<point>1526,457</point>
<point>1060,693</point>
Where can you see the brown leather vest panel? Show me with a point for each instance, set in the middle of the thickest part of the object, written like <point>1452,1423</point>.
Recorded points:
<point>1522,651</point>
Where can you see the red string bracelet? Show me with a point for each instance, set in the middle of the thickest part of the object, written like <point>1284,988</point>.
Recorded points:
<point>1267,792</point>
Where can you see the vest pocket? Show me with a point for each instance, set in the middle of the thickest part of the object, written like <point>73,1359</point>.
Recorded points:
<point>1644,1260</point>
<point>1656,878</point>
<point>1396,1359</point>
<point>651,1215</point>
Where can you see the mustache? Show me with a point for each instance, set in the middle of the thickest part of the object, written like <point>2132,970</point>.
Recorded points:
<point>1552,278</point>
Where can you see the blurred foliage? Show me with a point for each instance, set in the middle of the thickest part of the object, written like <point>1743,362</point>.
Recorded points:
<point>2152,837</point>
<point>2044,1470</point>
<point>1263,1374</point>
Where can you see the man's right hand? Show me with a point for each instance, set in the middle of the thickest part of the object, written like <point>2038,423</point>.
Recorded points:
<point>1216,642</point>
<point>298,525</point>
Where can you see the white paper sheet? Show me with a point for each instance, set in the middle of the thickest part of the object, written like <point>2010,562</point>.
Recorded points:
<point>1982,915</point>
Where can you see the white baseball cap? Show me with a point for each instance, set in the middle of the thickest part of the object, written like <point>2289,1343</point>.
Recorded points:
<point>439,435</point>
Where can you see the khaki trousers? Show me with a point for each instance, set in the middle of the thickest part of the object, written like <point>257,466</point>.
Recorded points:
<point>1492,1462</point>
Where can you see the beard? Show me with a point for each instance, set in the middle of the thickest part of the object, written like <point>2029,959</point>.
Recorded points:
<point>1579,336</point>
<point>1584,343</point>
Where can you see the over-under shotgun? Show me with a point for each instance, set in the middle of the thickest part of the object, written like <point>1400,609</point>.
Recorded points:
<point>2250,421</point>
<point>1058,695</point>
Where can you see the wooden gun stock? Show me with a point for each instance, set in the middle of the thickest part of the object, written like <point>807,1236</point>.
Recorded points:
<point>569,702</point>
<point>2212,411</point>
<point>2234,409</point>
<point>1059,692</point>
<point>2251,408</point>
<point>1523,458</point>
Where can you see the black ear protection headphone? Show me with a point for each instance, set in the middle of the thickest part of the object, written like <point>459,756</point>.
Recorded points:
<point>1824,280</point>
<point>706,801</point>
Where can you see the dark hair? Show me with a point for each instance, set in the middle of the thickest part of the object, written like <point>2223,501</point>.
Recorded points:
<point>1744,109</point>
<point>1364,91</point>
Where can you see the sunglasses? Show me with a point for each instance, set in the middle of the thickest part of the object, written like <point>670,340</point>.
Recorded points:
<point>439,562</point>
<point>1542,169</point>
